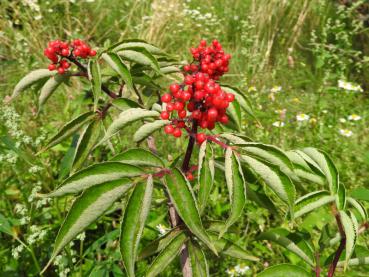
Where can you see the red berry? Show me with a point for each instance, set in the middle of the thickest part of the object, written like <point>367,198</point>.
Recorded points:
<point>92,53</point>
<point>166,98</point>
<point>200,137</point>
<point>170,107</point>
<point>224,119</point>
<point>181,124</point>
<point>189,80</point>
<point>191,106</point>
<point>164,115</point>
<point>168,129</point>
<point>230,97</point>
<point>52,67</point>
<point>196,114</point>
<point>178,106</point>
<point>174,88</point>
<point>189,176</point>
<point>65,52</point>
<point>77,52</point>
<point>212,114</point>
<point>187,67</point>
<point>182,114</point>
<point>177,132</point>
<point>61,70</point>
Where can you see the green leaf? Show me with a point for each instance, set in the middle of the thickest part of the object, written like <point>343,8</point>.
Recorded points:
<point>240,98</point>
<point>125,103</point>
<point>182,197</point>
<point>139,157</point>
<point>6,226</point>
<point>87,208</point>
<point>312,201</point>
<point>30,79</point>
<point>49,87</point>
<point>133,223</point>
<point>271,154</point>
<point>235,138</point>
<point>94,175</point>
<point>136,43</point>
<point>326,165</point>
<point>206,171</point>
<point>94,75</point>
<point>279,236</point>
<point>358,207</point>
<point>86,142</point>
<point>159,244</point>
<point>125,118</point>
<point>147,129</point>
<point>234,113</point>
<point>360,194</point>
<point>69,129</point>
<point>284,270</point>
<point>167,255</point>
<point>117,64</point>
<point>228,248</point>
<point>278,181</point>
<point>169,69</point>
<point>236,187</point>
<point>350,226</point>
<point>302,169</point>
<point>355,261</point>
<point>341,197</point>
<point>140,55</point>
<point>199,264</point>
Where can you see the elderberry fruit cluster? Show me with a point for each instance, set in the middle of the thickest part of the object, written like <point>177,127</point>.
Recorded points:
<point>199,99</point>
<point>59,51</point>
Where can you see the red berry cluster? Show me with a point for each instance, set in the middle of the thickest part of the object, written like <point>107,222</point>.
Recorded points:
<point>199,98</point>
<point>57,50</point>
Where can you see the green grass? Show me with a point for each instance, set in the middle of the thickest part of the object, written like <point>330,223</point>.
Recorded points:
<point>271,45</point>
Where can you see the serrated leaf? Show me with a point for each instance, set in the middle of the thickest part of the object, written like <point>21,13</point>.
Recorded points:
<point>236,186</point>
<point>139,157</point>
<point>133,223</point>
<point>147,129</point>
<point>125,118</point>
<point>117,64</point>
<point>227,247</point>
<point>125,103</point>
<point>341,197</point>
<point>94,175</point>
<point>234,113</point>
<point>312,201</point>
<point>278,236</point>
<point>30,79</point>
<point>271,154</point>
<point>326,165</point>
<point>206,171</point>
<point>136,43</point>
<point>87,208</point>
<point>167,255</point>
<point>350,228</point>
<point>284,270</point>
<point>49,87</point>
<point>86,142</point>
<point>94,75</point>
<point>241,99</point>
<point>182,197</point>
<point>235,138</point>
<point>199,264</point>
<point>358,207</point>
<point>140,55</point>
<point>69,129</point>
<point>159,244</point>
<point>278,181</point>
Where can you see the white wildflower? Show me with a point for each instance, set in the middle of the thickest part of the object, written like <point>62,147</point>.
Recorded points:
<point>81,236</point>
<point>241,269</point>
<point>162,229</point>
<point>17,250</point>
<point>354,117</point>
<point>342,120</point>
<point>346,132</point>
<point>231,272</point>
<point>349,86</point>
<point>278,124</point>
<point>276,89</point>
<point>302,117</point>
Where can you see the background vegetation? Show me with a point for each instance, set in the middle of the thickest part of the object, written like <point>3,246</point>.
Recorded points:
<point>289,56</point>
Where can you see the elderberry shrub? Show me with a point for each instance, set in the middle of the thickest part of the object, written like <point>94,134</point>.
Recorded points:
<point>199,98</point>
